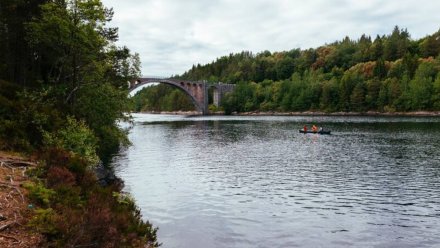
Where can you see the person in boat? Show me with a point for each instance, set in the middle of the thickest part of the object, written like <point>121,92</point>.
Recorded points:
<point>305,128</point>
<point>314,129</point>
<point>321,129</point>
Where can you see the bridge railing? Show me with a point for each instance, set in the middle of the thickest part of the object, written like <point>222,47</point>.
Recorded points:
<point>154,77</point>
<point>147,77</point>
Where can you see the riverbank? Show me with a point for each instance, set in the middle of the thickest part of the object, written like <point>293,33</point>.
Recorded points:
<point>172,112</point>
<point>317,113</point>
<point>60,202</point>
<point>306,113</point>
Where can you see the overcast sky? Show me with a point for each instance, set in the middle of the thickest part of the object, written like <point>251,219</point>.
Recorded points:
<point>172,35</point>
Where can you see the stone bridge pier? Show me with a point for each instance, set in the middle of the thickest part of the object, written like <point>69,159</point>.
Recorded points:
<point>196,90</point>
<point>219,92</point>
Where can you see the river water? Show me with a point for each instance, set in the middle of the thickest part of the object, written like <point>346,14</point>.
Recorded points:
<point>257,182</point>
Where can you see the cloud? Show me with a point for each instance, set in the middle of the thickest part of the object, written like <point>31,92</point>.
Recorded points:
<point>172,35</point>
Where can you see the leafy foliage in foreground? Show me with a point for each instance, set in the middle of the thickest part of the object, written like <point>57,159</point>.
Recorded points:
<point>60,61</point>
<point>75,137</point>
<point>63,87</point>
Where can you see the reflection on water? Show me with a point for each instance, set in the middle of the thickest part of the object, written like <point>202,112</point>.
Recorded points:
<point>258,182</point>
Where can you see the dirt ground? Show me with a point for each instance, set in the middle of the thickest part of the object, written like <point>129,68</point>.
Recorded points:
<point>15,209</point>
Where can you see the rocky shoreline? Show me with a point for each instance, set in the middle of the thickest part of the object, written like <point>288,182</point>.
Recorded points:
<point>171,112</point>
<point>308,113</point>
<point>317,113</point>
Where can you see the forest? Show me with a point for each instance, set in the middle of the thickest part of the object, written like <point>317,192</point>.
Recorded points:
<point>62,90</point>
<point>386,74</point>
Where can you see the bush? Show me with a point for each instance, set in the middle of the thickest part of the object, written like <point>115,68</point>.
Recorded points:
<point>58,175</point>
<point>73,210</point>
<point>75,137</point>
<point>44,221</point>
<point>101,105</point>
<point>39,194</point>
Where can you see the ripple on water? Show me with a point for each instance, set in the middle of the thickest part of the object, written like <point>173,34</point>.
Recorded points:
<point>257,182</point>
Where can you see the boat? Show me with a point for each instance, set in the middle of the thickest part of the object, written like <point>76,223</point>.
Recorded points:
<point>318,132</point>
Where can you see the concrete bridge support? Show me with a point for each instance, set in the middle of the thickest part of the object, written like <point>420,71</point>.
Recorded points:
<point>219,92</point>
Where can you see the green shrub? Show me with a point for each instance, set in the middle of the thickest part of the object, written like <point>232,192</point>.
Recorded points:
<point>44,221</point>
<point>75,137</point>
<point>40,194</point>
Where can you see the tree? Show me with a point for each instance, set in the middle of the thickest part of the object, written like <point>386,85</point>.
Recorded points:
<point>16,64</point>
<point>68,42</point>
<point>346,50</point>
<point>410,64</point>
<point>362,53</point>
<point>377,49</point>
<point>61,103</point>
<point>330,95</point>
<point>436,93</point>
<point>101,105</point>
<point>122,66</point>
<point>372,94</point>
<point>285,68</point>
<point>430,46</point>
<point>380,70</point>
<point>421,87</point>
<point>394,93</point>
<point>357,97</point>
<point>84,71</point>
<point>397,44</point>
<point>346,86</point>
<point>307,58</point>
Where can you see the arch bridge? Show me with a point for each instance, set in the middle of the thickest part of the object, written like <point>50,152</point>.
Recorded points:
<point>196,90</point>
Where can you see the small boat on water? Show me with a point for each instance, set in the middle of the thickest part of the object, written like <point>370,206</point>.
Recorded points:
<point>318,132</point>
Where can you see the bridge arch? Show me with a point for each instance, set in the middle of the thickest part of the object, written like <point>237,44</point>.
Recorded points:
<point>198,91</point>
<point>194,90</point>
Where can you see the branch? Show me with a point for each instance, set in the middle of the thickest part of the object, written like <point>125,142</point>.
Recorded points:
<point>92,244</point>
<point>71,94</point>
<point>12,187</point>
<point>6,226</point>
<point>14,162</point>
<point>10,237</point>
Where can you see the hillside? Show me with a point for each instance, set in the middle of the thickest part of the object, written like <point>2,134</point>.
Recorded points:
<point>390,73</point>
<point>339,55</point>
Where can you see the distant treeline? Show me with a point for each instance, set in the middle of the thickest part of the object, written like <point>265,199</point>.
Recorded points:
<point>390,73</point>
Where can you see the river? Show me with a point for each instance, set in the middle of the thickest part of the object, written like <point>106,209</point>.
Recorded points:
<point>229,181</point>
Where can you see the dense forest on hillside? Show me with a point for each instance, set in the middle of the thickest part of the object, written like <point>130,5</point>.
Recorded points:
<point>390,73</point>
<point>62,90</point>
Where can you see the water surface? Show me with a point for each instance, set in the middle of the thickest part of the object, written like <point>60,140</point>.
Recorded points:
<point>257,182</point>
